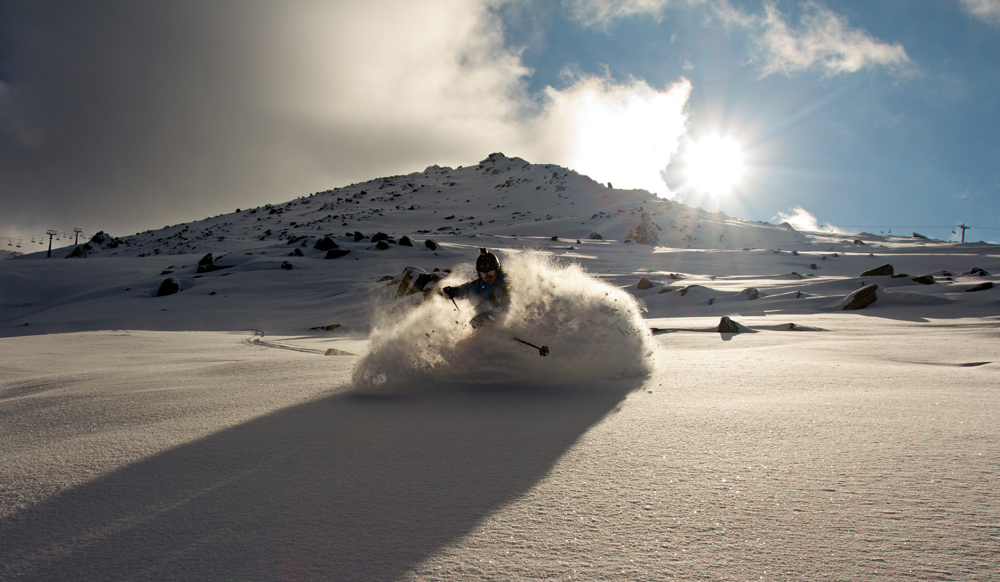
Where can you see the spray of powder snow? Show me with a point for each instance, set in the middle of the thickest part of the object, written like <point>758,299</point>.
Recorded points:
<point>594,332</point>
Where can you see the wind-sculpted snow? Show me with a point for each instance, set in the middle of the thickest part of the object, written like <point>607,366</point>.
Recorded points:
<point>594,332</point>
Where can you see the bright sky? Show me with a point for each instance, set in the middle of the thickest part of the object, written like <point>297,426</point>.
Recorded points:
<point>862,115</point>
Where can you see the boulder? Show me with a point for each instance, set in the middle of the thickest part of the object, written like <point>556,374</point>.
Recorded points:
<point>405,241</point>
<point>924,279</point>
<point>644,283</point>
<point>358,237</point>
<point>430,244</point>
<point>336,253</point>
<point>885,270</point>
<point>975,272</point>
<point>414,281</point>
<point>99,242</point>
<point>379,236</point>
<point>727,325</point>
<point>751,293</point>
<point>168,287</point>
<point>862,297</point>
<point>382,245</point>
<point>596,236</point>
<point>207,265</point>
<point>981,287</point>
<point>324,244</point>
<point>286,265</point>
<point>295,253</point>
<point>80,252</point>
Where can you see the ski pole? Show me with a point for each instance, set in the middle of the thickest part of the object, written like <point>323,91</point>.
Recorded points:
<point>542,351</point>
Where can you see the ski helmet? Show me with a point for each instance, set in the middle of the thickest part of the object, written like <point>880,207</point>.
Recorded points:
<point>486,261</point>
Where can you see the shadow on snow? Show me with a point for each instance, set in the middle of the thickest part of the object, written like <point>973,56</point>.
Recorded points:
<point>348,487</point>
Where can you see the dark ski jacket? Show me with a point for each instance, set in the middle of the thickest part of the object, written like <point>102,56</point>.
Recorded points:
<point>490,296</point>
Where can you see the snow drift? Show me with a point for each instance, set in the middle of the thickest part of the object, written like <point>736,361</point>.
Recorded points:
<point>594,331</point>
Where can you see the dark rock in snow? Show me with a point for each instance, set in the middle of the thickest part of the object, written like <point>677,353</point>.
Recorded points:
<point>358,237</point>
<point>975,272</point>
<point>405,241</point>
<point>336,253</point>
<point>424,279</point>
<point>885,270</point>
<point>168,287</point>
<point>430,244</point>
<point>414,282</point>
<point>324,244</point>
<point>751,293</point>
<point>98,242</point>
<point>380,236</point>
<point>295,253</point>
<point>286,265</point>
<point>924,279</point>
<point>596,236</point>
<point>644,283</point>
<point>862,297</point>
<point>382,245</point>
<point>813,266</point>
<point>80,252</point>
<point>207,265</point>
<point>981,287</point>
<point>727,325</point>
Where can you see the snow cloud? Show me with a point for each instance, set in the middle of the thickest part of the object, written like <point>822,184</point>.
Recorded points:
<point>113,113</point>
<point>802,219</point>
<point>986,10</point>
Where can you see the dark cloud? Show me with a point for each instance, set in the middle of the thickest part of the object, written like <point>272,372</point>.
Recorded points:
<point>131,115</point>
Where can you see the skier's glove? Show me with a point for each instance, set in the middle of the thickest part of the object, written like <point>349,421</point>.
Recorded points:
<point>451,292</point>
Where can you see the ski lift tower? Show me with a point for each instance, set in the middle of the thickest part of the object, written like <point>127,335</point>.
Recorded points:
<point>77,231</point>
<point>964,228</point>
<point>51,234</point>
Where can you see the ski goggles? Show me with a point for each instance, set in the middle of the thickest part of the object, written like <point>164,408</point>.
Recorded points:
<point>488,274</point>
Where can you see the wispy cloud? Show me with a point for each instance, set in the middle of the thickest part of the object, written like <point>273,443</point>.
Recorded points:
<point>601,13</point>
<point>986,10</point>
<point>824,41</point>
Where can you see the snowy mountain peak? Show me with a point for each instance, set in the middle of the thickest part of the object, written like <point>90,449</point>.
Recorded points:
<point>500,196</point>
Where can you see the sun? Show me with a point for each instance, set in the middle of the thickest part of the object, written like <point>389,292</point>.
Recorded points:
<point>715,165</point>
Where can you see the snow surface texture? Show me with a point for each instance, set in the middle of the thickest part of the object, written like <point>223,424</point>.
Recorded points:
<point>143,438</point>
<point>596,332</point>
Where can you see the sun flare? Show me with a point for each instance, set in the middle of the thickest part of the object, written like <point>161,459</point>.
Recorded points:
<point>715,165</point>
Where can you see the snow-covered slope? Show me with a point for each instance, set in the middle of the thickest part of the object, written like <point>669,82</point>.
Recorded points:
<point>316,261</point>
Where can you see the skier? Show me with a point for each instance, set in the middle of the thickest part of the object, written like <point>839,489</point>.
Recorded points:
<point>491,290</point>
